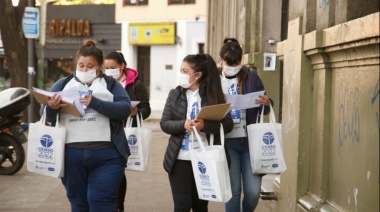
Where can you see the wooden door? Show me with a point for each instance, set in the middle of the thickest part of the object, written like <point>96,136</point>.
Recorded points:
<point>143,66</point>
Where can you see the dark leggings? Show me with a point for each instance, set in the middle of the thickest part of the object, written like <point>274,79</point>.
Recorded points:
<point>121,194</point>
<point>184,190</point>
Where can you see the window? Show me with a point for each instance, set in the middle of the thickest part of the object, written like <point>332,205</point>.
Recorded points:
<point>135,2</point>
<point>171,2</point>
<point>201,48</point>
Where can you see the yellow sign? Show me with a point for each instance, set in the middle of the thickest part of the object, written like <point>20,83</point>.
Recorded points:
<point>152,33</point>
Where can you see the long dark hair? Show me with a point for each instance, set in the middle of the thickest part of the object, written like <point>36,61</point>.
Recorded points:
<point>209,82</point>
<point>118,57</point>
<point>232,53</point>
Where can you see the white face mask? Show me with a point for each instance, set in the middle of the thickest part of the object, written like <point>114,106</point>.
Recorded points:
<point>231,71</point>
<point>184,80</point>
<point>86,76</point>
<point>114,72</point>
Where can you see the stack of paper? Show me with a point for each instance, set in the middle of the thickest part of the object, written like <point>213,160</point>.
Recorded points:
<point>70,97</point>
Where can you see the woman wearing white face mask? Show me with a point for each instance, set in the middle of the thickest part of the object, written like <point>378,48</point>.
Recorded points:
<point>116,66</point>
<point>199,86</point>
<point>96,147</point>
<point>237,79</point>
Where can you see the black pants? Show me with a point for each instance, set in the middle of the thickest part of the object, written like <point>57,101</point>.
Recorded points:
<point>121,194</point>
<point>184,190</point>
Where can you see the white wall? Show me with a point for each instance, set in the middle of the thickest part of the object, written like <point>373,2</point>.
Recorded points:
<point>158,10</point>
<point>189,33</point>
<point>162,80</point>
<point>196,32</point>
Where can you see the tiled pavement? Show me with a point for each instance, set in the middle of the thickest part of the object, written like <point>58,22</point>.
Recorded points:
<point>147,191</point>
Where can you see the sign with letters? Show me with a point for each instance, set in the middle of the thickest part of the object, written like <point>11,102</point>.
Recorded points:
<point>152,33</point>
<point>30,22</point>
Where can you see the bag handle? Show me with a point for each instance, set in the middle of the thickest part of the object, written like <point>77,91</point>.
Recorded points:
<point>272,117</point>
<point>211,137</point>
<point>43,118</point>
<point>139,120</point>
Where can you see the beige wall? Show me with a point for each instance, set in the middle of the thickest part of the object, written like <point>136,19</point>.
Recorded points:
<point>330,95</point>
<point>252,23</point>
<point>159,10</point>
<point>333,155</point>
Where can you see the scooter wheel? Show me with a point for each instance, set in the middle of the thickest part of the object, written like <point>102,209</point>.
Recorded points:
<point>12,155</point>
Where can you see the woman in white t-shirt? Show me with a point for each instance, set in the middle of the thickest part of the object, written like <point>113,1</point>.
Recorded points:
<point>199,86</point>
<point>237,79</point>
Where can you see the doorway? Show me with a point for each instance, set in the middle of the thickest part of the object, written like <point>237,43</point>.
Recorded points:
<point>143,66</point>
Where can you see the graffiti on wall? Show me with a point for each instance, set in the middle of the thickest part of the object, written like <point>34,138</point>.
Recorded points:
<point>323,4</point>
<point>291,68</point>
<point>289,98</point>
<point>373,100</point>
<point>349,117</point>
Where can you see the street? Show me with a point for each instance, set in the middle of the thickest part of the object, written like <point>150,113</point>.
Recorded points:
<point>147,191</point>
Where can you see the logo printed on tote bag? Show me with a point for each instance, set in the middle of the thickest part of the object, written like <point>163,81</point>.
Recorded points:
<point>268,138</point>
<point>46,151</point>
<point>205,179</point>
<point>203,176</point>
<point>132,140</point>
<point>268,148</point>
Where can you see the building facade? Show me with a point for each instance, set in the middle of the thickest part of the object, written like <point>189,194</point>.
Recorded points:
<point>326,87</point>
<point>156,36</point>
<point>67,28</point>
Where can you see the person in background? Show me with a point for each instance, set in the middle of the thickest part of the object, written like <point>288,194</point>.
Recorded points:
<point>96,149</point>
<point>199,86</point>
<point>238,79</point>
<point>116,66</point>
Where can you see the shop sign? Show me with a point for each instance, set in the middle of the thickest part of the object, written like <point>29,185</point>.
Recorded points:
<point>152,33</point>
<point>69,28</point>
<point>69,41</point>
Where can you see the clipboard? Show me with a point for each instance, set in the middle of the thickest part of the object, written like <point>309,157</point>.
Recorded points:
<point>40,95</point>
<point>214,112</point>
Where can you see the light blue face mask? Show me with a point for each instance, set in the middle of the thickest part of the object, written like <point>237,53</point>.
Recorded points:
<point>231,71</point>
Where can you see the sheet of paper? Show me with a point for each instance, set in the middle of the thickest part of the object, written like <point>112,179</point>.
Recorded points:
<point>244,101</point>
<point>134,103</point>
<point>70,96</point>
<point>50,94</point>
<point>71,93</point>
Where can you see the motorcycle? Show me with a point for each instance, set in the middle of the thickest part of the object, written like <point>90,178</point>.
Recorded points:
<point>12,154</point>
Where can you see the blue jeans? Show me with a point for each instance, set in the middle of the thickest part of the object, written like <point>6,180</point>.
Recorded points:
<point>92,178</point>
<point>241,169</point>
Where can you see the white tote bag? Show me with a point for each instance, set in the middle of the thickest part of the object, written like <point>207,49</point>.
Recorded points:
<point>46,148</point>
<point>265,146</point>
<point>139,139</point>
<point>210,169</point>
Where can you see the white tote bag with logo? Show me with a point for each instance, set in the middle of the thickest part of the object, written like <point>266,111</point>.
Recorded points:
<point>46,148</point>
<point>139,139</point>
<point>265,146</point>
<point>210,169</point>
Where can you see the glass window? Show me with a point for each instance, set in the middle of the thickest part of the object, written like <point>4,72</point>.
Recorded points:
<point>136,2</point>
<point>181,2</point>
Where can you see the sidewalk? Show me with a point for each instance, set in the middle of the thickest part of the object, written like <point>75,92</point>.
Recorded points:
<point>147,191</point>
